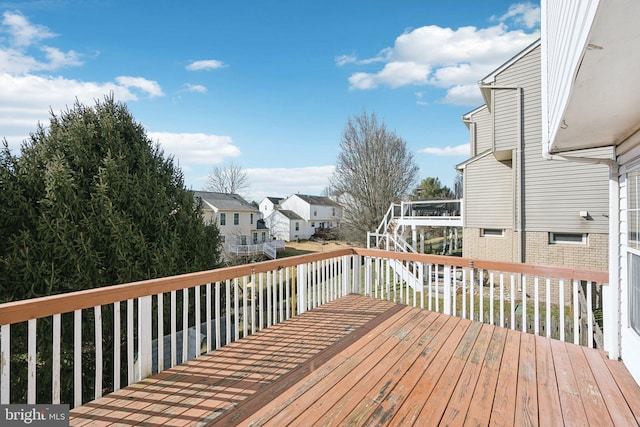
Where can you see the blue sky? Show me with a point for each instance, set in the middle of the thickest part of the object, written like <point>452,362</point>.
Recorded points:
<point>268,85</point>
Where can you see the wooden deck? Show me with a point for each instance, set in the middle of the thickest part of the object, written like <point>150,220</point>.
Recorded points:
<point>360,361</point>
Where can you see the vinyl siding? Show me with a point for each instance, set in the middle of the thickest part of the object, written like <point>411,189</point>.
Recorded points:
<point>525,74</point>
<point>505,106</point>
<point>565,37</point>
<point>554,191</point>
<point>488,194</point>
<point>483,131</point>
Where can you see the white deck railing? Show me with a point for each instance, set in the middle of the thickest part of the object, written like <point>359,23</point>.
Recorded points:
<point>268,248</point>
<point>75,347</point>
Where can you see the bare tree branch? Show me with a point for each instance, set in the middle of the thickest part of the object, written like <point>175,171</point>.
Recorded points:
<point>230,178</point>
<point>373,170</point>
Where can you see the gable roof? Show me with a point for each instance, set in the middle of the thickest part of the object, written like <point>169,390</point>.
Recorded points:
<point>466,118</point>
<point>491,78</point>
<point>289,214</point>
<point>317,200</point>
<point>275,200</point>
<point>224,202</point>
<point>461,166</point>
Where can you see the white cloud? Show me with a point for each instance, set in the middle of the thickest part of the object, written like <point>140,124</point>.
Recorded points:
<point>28,99</point>
<point>459,150</point>
<point>206,64</point>
<point>525,14</point>
<point>196,148</point>
<point>345,59</point>
<point>16,56</point>
<point>195,88</point>
<point>445,57</point>
<point>21,32</point>
<point>463,95</point>
<point>394,74</point>
<point>287,181</point>
<point>149,87</point>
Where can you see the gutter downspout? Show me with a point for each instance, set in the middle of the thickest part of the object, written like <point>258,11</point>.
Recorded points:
<point>519,220</point>
<point>611,296</point>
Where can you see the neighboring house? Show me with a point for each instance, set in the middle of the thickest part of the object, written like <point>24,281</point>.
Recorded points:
<point>268,205</point>
<point>300,216</point>
<point>321,215</point>
<point>285,225</point>
<point>517,206</point>
<point>240,222</point>
<point>590,93</point>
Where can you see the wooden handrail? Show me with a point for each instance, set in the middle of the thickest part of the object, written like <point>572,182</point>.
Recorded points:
<point>34,308</point>
<point>507,267</point>
<point>20,311</point>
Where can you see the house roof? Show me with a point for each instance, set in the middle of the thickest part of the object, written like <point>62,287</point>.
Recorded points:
<point>317,200</point>
<point>289,214</point>
<point>275,200</point>
<point>466,118</point>
<point>461,166</point>
<point>224,202</point>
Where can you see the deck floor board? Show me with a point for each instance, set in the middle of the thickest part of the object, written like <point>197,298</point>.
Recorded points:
<point>362,361</point>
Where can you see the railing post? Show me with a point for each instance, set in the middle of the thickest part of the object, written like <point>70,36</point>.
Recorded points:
<point>5,364</point>
<point>447,290</point>
<point>345,274</point>
<point>302,288</point>
<point>357,275</point>
<point>144,337</point>
<point>367,276</point>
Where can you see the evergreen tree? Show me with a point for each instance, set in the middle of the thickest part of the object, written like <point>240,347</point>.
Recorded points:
<point>432,188</point>
<point>90,202</point>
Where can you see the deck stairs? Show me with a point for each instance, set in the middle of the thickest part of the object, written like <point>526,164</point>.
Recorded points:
<point>400,221</point>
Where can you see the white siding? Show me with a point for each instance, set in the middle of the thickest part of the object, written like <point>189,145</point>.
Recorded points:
<point>279,226</point>
<point>564,38</point>
<point>629,339</point>
<point>297,205</point>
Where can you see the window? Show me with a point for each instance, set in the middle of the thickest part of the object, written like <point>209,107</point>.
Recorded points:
<point>568,238</point>
<point>313,225</point>
<point>333,211</point>
<point>315,212</point>
<point>633,216</point>
<point>223,238</point>
<point>236,218</point>
<point>492,232</point>
<point>223,219</point>
<point>251,218</point>
<point>255,238</point>
<point>264,236</point>
<point>297,226</point>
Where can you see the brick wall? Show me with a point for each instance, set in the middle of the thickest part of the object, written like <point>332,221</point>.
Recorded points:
<point>592,256</point>
<point>488,247</point>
